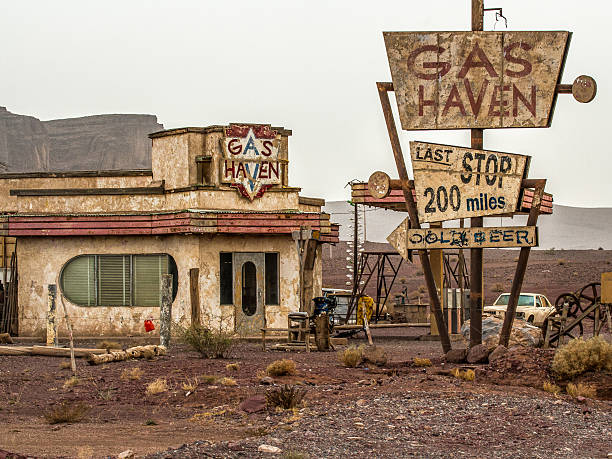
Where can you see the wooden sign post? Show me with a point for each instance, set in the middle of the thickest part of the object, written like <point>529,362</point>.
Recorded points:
<point>471,80</point>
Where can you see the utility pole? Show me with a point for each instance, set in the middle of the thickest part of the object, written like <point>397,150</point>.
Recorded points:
<point>476,255</point>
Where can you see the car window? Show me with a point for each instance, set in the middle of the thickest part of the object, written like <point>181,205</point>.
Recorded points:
<point>538,302</point>
<point>525,300</point>
<point>502,300</point>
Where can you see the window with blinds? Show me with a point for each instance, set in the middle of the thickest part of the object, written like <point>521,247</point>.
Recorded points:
<point>117,280</point>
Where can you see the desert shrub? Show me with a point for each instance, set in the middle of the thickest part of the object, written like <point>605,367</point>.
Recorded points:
<point>157,387</point>
<point>131,374</point>
<point>232,367</point>
<point>295,455</point>
<point>190,384</point>
<point>421,362</point>
<point>71,382</point>
<point>281,368</point>
<point>285,397</point>
<point>109,345</point>
<point>579,356</point>
<point>551,387</point>
<point>580,390</point>
<point>210,343</point>
<point>66,411</point>
<point>105,394</point>
<point>208,379</point>
<point>228,382</point>
<point>351,356</point>
<point>467,375</point>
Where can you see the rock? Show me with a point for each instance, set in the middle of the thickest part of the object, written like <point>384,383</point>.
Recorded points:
<point>456,355</point>
<point>127,454</point>
<point>361,402</point>
<point>478,354</point>
<point>497,353</point>
<point>99,142</point>
<point>269,449</point>
<point>523,333</point>
<point>375,355</point>
<point>266,381</point>
<point>5,338</point>
<point>253,404</point>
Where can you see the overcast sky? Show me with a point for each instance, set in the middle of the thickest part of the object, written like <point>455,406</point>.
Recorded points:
<point>310,66</point>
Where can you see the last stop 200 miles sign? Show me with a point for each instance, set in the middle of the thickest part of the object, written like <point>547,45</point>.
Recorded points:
<point>453,182</point>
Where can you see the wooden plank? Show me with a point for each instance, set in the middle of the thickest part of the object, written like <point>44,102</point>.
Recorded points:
<point>606,288</point>
<point>405,239</point>
<point>194,294</point>
<point>453,182</point>
<point>467,80</point>
<point>86,191</point>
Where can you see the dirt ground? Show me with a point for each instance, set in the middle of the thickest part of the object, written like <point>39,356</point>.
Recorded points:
<point>549,272</point>
<point>397,410</point>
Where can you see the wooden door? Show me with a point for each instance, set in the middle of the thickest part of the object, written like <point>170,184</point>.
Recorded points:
<point>249,292</point>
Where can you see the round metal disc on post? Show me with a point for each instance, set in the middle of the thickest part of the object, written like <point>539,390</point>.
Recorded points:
<point>379,185</point>
<point>584,89</point>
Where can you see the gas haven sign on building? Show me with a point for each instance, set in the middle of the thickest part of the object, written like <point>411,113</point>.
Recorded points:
<point>251,161</point>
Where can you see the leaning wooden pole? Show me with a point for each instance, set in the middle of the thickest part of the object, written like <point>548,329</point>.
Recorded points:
<point>521,267</point>
<point>435,307</point>
<point>69,325</point>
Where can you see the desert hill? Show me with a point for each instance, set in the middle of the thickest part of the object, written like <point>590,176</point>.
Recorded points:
<point>99,142</point>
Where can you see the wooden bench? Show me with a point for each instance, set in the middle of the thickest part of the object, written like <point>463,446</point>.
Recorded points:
<point>290,330</point>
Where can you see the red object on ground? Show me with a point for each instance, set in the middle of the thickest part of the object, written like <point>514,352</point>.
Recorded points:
<point>149,325</point>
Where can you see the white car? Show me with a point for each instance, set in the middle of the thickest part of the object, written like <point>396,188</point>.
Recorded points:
<point>532,307</point>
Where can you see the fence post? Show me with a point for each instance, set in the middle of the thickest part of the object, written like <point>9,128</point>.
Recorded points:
<point>165,313</point>
<point>51,310</point>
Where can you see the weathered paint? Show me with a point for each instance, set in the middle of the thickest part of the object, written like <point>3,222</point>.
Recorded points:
<point>454,182</point>
<point>606,288</point>
<point>194,251</point>
<point>464,80</point>
<point>251,158</point>
<point>404,239</point>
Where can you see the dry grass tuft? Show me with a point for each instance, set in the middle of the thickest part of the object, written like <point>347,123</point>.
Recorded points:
<point>228,382</point>
<point>467,375</point>
<point>295,455</point>
<point>65,364</point>
<point>131,374</point>
<point>232,366</point>
<point>85,452</point>
<point>157,387</point>
<point>580,390</point>
<point>281,368</point>
<point>579,356</point>
<point>418,362</point>
<point>208,379</point>
<point>190,384</point>
<point>109,345</point>
<point>71,382</point>
<point>285,397</point>
<point>66,412</point>
<point>351,357</point>
<point>551,387</point>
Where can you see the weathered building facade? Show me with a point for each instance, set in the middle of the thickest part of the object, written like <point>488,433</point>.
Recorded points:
<point>216,211</point>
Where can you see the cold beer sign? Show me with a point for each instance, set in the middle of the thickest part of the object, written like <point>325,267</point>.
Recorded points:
<point>251,161</point>
<point>453,182</point>
<point>464,80</point>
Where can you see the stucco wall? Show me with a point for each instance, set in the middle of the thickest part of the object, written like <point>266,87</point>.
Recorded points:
<point>41,259</point>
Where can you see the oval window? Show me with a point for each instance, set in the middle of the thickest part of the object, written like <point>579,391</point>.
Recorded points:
<point>117,280</point>
<point>249,288</point>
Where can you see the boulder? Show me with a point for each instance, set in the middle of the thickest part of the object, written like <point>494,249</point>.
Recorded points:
<point>374,355</point>
<point>478,354</point>
<point>269,449</point>
<point>253,404</point>
<point>498,352</point>
<point>523,333</point>
<point>127,454</point>
<point>456,355</point>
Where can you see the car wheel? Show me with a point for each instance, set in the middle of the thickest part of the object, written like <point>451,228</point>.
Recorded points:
<point>530,320</point>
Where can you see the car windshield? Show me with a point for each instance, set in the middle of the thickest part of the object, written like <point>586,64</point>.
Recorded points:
<point>524,300</point>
